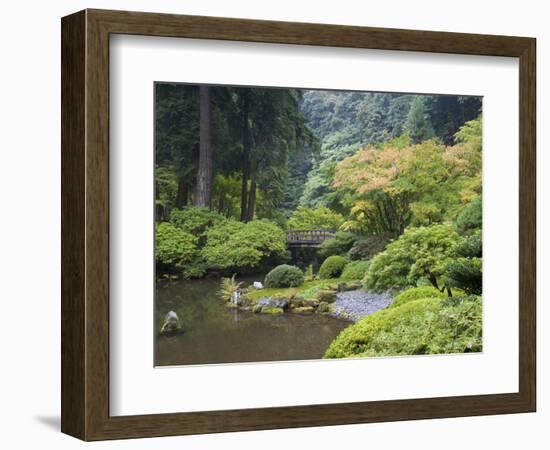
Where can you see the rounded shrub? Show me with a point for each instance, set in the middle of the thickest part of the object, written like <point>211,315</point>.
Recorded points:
<point>332,267</point>
<point>284,276</point>
<point>423,326</point>
<point>173,246</point>
<point>416,293</point>
<point>355,270</point>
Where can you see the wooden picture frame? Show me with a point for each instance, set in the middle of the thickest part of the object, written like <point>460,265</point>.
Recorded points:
<point>85,224</point>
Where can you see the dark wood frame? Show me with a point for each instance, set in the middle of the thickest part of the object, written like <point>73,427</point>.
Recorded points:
<point>85,224</point>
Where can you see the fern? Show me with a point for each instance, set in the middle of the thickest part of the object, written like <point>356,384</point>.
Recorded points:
<point>228,287</point>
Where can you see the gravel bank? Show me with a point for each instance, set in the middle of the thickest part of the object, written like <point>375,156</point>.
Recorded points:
<point>354,305</point>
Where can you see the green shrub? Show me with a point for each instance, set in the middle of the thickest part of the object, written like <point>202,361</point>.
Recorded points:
<point>368,247</point>
<point>173,246</point>
<point>471,217</point>
<point>284,276</point>
<point>237,245</point>
<point>195,219</point>
<point>470,246</point>
<point>416,293</point>
<point>423,326</point>
<point>419,253</point>
<point>332,267</point>
<point>338,245</point>
<point>314,218</point>
<point>355,270</point>
<point>466,274</point>
<point>465,271</point>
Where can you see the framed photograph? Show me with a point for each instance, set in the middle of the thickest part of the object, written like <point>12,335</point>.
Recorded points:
<point>273,225</point>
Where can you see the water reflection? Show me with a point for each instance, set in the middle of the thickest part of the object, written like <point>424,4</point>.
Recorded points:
<point>214,333</point>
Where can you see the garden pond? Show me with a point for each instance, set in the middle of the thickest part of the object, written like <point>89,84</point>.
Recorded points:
<point>214,334</point>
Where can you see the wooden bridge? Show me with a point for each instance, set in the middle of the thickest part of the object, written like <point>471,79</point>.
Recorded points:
<point>308,238</point>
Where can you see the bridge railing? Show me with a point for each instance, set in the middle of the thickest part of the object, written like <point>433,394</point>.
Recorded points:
<point>308,237</point>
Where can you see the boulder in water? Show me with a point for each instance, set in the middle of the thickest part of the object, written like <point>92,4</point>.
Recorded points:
<point>171,323</point>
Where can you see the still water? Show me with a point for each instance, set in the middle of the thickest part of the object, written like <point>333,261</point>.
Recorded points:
<point>217,334</point>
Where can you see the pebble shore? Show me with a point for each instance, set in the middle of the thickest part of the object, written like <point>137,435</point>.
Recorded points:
<point>354,305</point>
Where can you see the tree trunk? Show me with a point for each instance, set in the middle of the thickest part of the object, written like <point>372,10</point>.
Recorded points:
<point>203,191</point>
<point>182,196</point>
<point>245,156</point>
<point>251,198</point>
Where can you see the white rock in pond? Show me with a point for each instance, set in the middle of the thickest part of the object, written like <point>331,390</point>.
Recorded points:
<point>258,285</point>
<point>171,322</point>
<point>171,316</point>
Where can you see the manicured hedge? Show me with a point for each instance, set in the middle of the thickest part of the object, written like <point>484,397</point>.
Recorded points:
<point>416,293</point>
<point>284,276</point>
<point>332,267</point>
<point>423,326</point>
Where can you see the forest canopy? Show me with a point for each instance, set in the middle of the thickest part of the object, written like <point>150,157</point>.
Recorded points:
<point>237,166</point>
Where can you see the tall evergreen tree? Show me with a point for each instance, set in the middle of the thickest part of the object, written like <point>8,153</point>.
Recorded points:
<point>418,123</point>
<point>203,189</point>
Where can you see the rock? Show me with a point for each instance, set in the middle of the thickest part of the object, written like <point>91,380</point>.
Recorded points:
<point>257,309</point>
<point>271,310</point>
<point>304,310</point>
<point>257,285</point>
<point>296,302</point>
<point>325,295</point>
<point>323,307</point>
<point>277,301</point>
<point>313,302</point>
<point>171,323</point>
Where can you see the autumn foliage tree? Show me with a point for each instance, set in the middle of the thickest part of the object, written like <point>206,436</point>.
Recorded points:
<point>391,186</point>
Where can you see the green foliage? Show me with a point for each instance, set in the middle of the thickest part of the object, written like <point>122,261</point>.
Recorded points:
<point>284,276</point>
<point>471,133</point>
<point>228,287</point>
<point>423,326</point>
<point>466,273</point>
<point>355,270</point>
<point>418,125</point>
<point>173,246</point>
<point>226,196</point>
<point>471,217</point>
<point>420,253</point>
<point>166,186</point>
<point>388,187</point>
<point>195,219</point>
<point>338,245</point>
<point>332,267</point>
<point>447,113</point>
<point>237,245</point>
<point>314,218</point>
<point>470,246</point>
<point>308,275</point>
<point>367,247</point>
<point>416,293</point>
